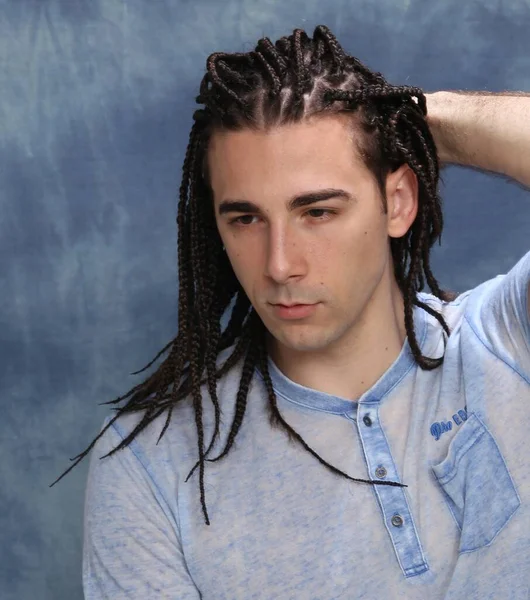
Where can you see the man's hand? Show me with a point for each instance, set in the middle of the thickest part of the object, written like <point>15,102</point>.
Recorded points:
<point>484,130</point>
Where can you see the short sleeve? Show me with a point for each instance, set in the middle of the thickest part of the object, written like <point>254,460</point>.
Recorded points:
<point>131,545</point>
<point>497,311</point>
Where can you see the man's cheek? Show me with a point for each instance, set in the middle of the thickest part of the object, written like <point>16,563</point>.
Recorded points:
<point>245,273</point>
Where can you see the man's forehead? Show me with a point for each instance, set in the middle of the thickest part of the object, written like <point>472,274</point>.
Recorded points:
<point>313,148</point>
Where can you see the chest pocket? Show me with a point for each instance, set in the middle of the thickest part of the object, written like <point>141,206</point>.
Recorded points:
<point>477,485</point>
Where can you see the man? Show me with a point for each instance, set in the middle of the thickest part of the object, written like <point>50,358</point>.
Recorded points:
<point>362,438</point>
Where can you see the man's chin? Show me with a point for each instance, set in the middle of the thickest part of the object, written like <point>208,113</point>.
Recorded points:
<point>307,339</point>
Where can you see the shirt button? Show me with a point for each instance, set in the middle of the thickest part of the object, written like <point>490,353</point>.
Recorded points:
<point>397,521</point>
<point>367,421</point>
<point>380,472</point>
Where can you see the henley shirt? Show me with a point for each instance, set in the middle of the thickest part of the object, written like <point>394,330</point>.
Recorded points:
<point>284,526</point>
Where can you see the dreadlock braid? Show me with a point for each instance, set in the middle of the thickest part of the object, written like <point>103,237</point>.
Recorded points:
<point>278,83</point>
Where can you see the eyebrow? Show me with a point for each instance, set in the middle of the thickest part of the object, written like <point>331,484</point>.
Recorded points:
<point>298,201</point>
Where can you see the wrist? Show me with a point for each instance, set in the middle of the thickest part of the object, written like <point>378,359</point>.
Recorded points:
<point>444,109</point>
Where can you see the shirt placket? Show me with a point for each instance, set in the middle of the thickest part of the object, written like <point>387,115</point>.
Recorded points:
<point>392,500</point>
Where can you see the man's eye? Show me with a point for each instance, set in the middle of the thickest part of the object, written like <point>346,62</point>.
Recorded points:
<point>320,213</point>
<point>243,220</point>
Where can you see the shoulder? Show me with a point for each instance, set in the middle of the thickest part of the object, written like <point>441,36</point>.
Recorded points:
<point>491,318</point>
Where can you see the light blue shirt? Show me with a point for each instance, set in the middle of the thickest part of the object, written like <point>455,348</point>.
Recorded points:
<point>284,527</point>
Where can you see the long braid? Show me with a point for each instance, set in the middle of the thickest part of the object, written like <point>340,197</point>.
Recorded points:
<point>276,420</point>
<point>178,358</point>
<point>276,83</point>
<point>241,397</point>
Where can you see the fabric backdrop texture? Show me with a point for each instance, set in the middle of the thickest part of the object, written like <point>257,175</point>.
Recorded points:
<point>96,106</point>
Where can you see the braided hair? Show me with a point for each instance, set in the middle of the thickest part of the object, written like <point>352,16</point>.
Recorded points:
<point>278,83</point>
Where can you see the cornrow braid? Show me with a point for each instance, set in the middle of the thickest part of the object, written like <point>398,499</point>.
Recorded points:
<point>278,63</point>
<point>303,78</point>
<point>325,38</point>
<point>277,83</point>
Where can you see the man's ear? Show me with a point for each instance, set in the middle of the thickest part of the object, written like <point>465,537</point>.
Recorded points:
<point>402,200</point>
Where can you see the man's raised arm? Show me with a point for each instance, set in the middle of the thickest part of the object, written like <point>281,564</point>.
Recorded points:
<point>489,131</point>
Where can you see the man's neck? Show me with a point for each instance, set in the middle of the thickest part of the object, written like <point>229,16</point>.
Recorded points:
<point>352,365</point>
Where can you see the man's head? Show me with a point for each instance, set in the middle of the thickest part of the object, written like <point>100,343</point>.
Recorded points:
<point>304,221</point>
<point>287,119</point>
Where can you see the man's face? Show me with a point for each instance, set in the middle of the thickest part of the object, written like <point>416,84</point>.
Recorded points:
<point>329,256</point>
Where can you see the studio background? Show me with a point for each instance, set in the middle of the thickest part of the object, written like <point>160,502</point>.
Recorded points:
<point>96,105</point>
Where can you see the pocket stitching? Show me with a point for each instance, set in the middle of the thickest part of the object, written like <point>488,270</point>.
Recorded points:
<point>454,471</point>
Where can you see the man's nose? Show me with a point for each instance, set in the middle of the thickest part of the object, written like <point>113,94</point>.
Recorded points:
<point>284,257</point>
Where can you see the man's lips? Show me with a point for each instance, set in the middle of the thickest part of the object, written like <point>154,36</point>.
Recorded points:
<point>291,304</point>
<point>293,311</point>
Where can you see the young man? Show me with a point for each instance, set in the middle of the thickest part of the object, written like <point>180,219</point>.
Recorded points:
<point>356,437</point>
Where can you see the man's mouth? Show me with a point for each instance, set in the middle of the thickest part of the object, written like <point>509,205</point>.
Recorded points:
<point>294,310</point>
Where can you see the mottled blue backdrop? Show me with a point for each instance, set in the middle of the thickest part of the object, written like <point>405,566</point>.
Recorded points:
<point>95,107</point>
